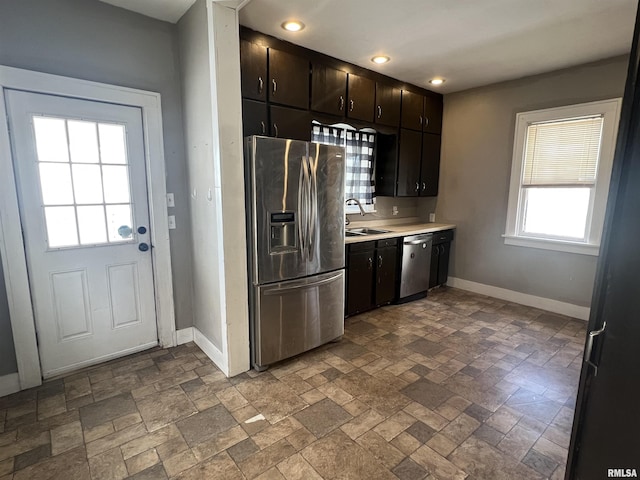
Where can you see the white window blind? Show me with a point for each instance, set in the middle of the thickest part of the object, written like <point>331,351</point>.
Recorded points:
<point>563,152</point>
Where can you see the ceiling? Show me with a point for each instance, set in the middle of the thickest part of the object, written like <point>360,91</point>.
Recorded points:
<point>468,42</point>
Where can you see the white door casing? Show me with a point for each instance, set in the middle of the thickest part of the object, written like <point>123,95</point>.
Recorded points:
<point>11,241</point>
<point>83,199</point>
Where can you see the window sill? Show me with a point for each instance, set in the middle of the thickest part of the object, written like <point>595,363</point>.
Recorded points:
<point>549,244</point>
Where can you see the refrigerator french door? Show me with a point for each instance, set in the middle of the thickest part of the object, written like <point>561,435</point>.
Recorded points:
<point>295,195</point>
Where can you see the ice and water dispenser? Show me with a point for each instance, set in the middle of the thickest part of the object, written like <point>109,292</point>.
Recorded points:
<point>283,232</point>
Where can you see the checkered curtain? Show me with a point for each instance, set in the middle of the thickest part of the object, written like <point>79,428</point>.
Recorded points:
<point>359,169</point>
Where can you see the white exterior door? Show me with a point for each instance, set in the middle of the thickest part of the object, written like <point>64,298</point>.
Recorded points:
<point>80,168</point>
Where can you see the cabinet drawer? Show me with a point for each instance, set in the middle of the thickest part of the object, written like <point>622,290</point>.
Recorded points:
<point>387,242</point>
<point>362,246</point>
<point>442,237</point>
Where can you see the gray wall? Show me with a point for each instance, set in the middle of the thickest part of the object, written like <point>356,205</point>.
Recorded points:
<point>477,146</point>
<point>7,352</point>
<point>91,40</point>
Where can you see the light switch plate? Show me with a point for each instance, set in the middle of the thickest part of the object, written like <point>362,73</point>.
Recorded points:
<point>172,222</point>
<point>170,200</point>
<point>432,217</point>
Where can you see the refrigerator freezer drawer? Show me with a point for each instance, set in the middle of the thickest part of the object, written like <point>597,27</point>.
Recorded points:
<point>295,316</point>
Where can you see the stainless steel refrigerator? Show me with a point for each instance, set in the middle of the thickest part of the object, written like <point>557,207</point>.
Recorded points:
<point>295,229</point>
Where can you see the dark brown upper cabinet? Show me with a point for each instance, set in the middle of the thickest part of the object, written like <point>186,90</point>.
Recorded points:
<point>290,123</point>
<point>328,90</point>
<point>432,122</point>
<point>253,64</point>
<point>418,166</point>
<point>409,162</point>
<point>412,107</point>
<point>421,112</point>
<point>254,118</point>
<point>387,111</point>
<point>362,94</point>
<point>288,79</point>
<point>430,168</point>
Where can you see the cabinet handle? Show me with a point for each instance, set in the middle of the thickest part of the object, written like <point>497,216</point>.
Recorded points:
<point>260,85</point>
<point>420,116</point>
<point>264,128</point>
<point>351,105</point>
<point>275,127</point>
<point>417,186</point>
<point>437,250</point>
<point>442,246</point>
<point>426,122</point>
<point>275,86</point>
<point>379,261</point>
<point>370,263</point>
<point>341,103</point>
<point>379,111</point>
<point>424,186</point>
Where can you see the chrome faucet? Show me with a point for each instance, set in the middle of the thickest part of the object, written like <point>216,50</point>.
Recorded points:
<point>362,212</point>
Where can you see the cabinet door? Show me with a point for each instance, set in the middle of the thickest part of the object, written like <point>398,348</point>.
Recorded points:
<point>254,118</point>
<point>386,164</point>
<point>386,275</point>
<point>433,268</point>
<point>432,122</point>
<point>387,110</point>
<point>362,94</point>
<point>289,84</point>
<point>443,263</point>
<point>290,123</point>
<point>430,172</point>
<point>360,281</point>
<point>253,65</point>
<point>409,163</point>
<point>412,105</point>
<point>328,90</point>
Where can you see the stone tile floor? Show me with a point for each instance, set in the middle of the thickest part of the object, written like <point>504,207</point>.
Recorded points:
<point>450,387</point>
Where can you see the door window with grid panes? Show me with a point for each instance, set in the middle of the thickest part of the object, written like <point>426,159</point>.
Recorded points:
<point>84,181</point>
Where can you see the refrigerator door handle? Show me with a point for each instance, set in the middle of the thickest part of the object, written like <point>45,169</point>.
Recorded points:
<point>313,202</point>
<point>280,291</point>
<point>301,216</point>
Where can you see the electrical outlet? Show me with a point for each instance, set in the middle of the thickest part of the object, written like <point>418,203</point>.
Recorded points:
<point>172,222</point>
<point>432,217</point>
<point>170,200</point>
<point>394,210</point>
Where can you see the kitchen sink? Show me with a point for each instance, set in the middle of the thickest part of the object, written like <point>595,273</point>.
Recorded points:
<point>356,232</point>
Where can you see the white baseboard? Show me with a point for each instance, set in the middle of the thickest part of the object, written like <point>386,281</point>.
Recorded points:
<point>9,384</point>
<point>555,306</point>
<point>211,350</point>
<point>184,335</point>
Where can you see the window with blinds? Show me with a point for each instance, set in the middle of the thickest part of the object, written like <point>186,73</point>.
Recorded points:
<point>563,152</point>
<point>560,173</point>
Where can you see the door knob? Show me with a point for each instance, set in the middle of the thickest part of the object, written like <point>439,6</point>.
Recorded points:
<point>143,247</point>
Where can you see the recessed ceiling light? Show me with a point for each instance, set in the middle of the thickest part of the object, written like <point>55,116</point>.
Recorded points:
<point>293,25</point>
<point>380,59</point>
<point>436,81</point>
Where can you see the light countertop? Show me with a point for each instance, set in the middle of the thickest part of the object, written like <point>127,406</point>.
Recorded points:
<point>396,228</point>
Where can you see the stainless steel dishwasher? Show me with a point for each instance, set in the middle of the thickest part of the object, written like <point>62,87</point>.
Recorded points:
<point>416,264</point>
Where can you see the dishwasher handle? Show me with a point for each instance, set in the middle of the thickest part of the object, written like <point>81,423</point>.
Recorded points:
<point>415,242</point>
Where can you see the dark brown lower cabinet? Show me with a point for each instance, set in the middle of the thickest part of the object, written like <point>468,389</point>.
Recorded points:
<point>359,295</point>
<point>290,123</point>
<point>440,253</point>
<point>386,271</point>
<point>371,275</point>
